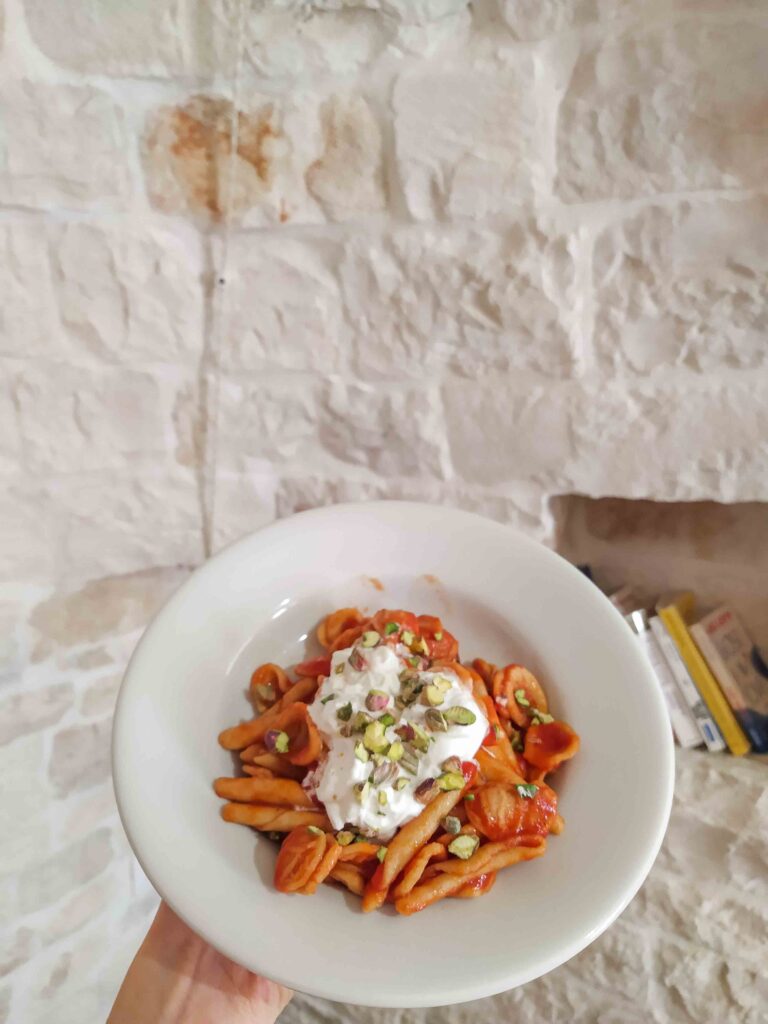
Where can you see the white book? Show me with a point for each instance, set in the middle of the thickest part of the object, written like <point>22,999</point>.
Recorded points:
<point>709,731</point>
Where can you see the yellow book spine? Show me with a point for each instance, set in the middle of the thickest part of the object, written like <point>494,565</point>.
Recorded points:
<point>706,683</point>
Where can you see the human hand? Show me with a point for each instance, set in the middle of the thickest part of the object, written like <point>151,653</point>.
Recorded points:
<point>177,978</point>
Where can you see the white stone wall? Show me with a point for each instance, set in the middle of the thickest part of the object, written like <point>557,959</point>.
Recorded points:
<point>260,256</point>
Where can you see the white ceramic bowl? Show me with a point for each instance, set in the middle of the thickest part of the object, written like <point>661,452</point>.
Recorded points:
<point>507,599</point>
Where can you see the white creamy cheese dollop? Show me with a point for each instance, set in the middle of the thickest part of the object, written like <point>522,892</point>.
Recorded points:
<point>335,779</point>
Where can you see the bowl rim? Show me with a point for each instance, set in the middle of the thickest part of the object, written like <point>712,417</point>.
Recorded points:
<point>468,989</point>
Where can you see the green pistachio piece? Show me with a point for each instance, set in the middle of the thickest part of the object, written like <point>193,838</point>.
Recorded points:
<point>360,720</point>
<point>376,700</point>
<point>344,838</point>
<point>521,699</point>
<point>442,683</point>
<point>315,830</point>
<point>370,639</point>
<point>451,764</point>
<point>463,846</point>
<point>460,716</point>
<point>381,853</point>
<point>361,753</point>
<point>452,825</point>
<point>344,713</point>
<point>421,738</point>
<point>421,645</point>
<point>374,738</point>
<point>382,798</point>
<point>329,697</point>
<point>407,637</point>
<point>527,789</point>
<point>470,796</point>
<point>339,668</point>
<point>451,780</point>
<point>395,751</point>
<point>362,789</point>
<point>438,636</point>
<point>542,718</point>
<point>282,743</point>
<point>390,628</point>
<point>435,721</point>
<point>401,784</point>
<point>433,695</point>
<point>386,720</point>
<point>414,662</point>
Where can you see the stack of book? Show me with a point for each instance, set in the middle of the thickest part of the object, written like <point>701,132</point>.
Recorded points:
<point>714,680</point>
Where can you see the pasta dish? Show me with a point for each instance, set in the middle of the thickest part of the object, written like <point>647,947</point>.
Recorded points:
<point>391,768</point>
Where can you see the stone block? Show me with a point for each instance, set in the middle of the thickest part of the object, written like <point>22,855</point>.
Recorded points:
<point>104,607</point>
<point>646,112</point>
<point>15,949</point>
<point>67,870</point>
<point>348,178</point>
<point>99,697</point>
<point>65,145</point>
<point>144,37</point>
<point>84,906</point>
<point>422,303</point>
<point>32,710</point>
<point>507,430</point>
<point>243,503</point>
<point>86,811</point>
<point>80,756</point>
<point>93,420</point>
<point>467,140</point>
<point>683,286</point>
<point>284,305</point>
<point>24,823</point>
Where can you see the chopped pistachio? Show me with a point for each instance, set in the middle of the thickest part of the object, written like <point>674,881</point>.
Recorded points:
<point>451,780</point>
<point>451,764</point>
<point>370,638</point>
<point>527,789</point>
<point>460,716</point>
<point>442,683</point>
<point>376,700</point>
<point>386,720</point>
<point>405,732</point>
<point>497,732</point>
<point>470,796</point>
<point>421,645</point>
<point>344,838</point>
<point>357,661</point>
<point>339,668</point>
<point>361,753</point>
<point>315,830</point>
<point>401,783</point>
<point>409,763</point>
<point>329,697</point>
<point>381,853</point>
<point>382,798</point>
<point>374,738</point>
<point>438,636</point>
<point>426,790</point>
<point>452,825</point>
<point>433,695</point>
<point>414,662</point>
<point>435,721</point>
<point>395,751</point>
<point>265,692</point>
<point>407,637</point>
<point>464,846</point>
<point>383,773</point>
<point>361,839</point>
<point>362,789</point>
<point>344,713</point>
<point>390,628</point>
<point>282,743</point>
<point>542,718</point>
<point>420,739</point>
<point>360,720</point>
<point>521,699</point>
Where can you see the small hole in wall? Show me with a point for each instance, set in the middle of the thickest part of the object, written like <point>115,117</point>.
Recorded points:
<point>718,551</point>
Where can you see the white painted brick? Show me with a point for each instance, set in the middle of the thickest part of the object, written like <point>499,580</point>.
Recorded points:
<point>647,112</point>
<point>24,823</point>
<point>99,697</point>
<point>144,37</point>
<point>68,869</point>
<point>80,757</point>
<point>33,710</point>
<point>683,286</point>
<point>460,301</point>
<point>65,144</point>
<point>467,140</point>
